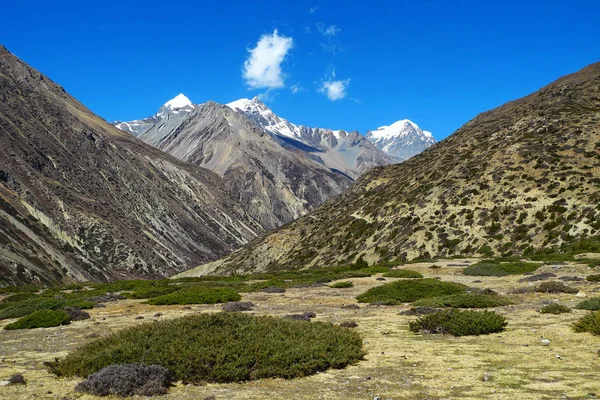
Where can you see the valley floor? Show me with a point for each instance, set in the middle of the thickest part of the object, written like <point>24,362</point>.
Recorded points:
<point>399,364</point>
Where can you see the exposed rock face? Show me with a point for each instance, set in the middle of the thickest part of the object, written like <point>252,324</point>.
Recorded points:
<point>521,177</point>
<point>82,200</point>
<point>273,182</point>
<point>348,152</point>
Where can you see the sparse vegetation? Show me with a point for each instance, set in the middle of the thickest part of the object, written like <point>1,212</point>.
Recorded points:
<point>589,323</point>
<point>221,347</point>
<point>196,296</point>
<point>555,308</point>
<point>41,319</point>
<point>459,323</point>
<point>403,273</point>
<point>406,291</point>
<point>342,285</point>
<point>497,268</point>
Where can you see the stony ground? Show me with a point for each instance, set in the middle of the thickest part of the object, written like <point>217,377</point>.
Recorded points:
<point>398,365</point>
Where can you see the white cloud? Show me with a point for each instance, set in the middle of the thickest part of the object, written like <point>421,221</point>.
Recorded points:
<point>262,69</point>
<point>297,88</point>
<point>313,9</point>
<point>329,31</point>
<point>335,90</point>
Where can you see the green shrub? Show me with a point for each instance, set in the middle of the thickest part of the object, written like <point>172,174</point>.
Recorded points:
<point>196,296</point>
<point>221,347</point>
<point>495,268</point>
<point>591,304</point>
<point>41,319</point>
<point>459,323</point>
<point>342,285</point>
<point>589,323</point>
<point>463,300</point>
<point>554,287</point>
<point>405,291</point>
<point>18,297</point>
<point>555,308</point>
<point>402,273</point>
<point>593,278</point>
<point>150,292</point>
<point>25,307</point>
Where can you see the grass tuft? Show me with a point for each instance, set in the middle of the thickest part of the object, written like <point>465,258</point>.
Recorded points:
<point>555,308</point>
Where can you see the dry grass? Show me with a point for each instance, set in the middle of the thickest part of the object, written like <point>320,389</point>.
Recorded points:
<point>398,364</point>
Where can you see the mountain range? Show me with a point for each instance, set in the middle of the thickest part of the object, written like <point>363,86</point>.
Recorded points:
<point>279,171</point>
<point>521,178</point>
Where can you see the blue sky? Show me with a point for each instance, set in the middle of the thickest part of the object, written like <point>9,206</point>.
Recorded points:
<point>336,64</point>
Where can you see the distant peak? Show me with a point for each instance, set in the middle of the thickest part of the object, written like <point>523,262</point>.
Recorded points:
<point>178,101</point>
<point>399,128</point>
<point>247,104</point>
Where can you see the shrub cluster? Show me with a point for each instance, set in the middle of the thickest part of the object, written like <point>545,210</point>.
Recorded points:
<point>593,278</point>
<point>589,323</point>
<point>196,296</point>
<point>41,319</point>
<point>406,291</point>
<point>497,268</point>
<point>342,285</point>
<point>591,304</point>
<point>459,323</point>
<point>555,308</point>
<point>221,347</point>
<point>554,287</point>
<point>403,273</point>
<point>25,307</point>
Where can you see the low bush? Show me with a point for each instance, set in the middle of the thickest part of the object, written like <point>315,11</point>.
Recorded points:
<point>555,308</point>
<point>25,307</point>
<point>464,300</point>
<point>402,273</point>
<point>419,311</point>
<point>496,268</point>
<point>554,287</point>
<point>349,324</point>
<point>150,292</point>
<point>17,379</point>
<point>351,307</point>
<point>306,316</point>
<point>237,306</point>
<point>538,277</point>
<point>77,314</point>
<point>41,319</point>
<point>406,291</point>
<point>589,323</point>
<point>459,323</point>
<point>342,285</point>
<point>593,278</point>
<point>128,380</point>
<point>273,289</point>
<point>196,296</point>
<point>591,304</point>
<point>221,347</point>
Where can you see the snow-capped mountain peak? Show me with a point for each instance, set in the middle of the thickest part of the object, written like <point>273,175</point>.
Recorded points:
<point>401,139</point>
<point>178,101</point>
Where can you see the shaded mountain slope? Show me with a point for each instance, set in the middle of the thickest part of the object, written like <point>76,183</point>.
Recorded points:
<point>82,200</point>
<point>523,176</point>
<point>273,181</point>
